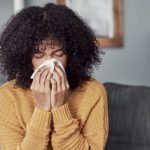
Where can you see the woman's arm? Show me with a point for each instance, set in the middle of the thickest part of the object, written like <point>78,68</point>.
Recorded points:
<point>13,137</point>
<point>67,134</point>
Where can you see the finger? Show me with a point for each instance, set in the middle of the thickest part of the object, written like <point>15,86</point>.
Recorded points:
<point>58,80</point>
<point>37,77</point>
<point>54,88</point>
<point>60,71</point>
<point>63,77</point>
<point>35,82</point>
<point>47,82</point>
<point>67,84</point>
<point>43,76</point>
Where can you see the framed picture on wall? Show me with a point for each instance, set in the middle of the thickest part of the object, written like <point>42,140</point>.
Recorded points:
<point>103,16</point>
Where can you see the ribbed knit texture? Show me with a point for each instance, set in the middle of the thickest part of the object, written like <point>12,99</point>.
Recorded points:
<point>80,124</point>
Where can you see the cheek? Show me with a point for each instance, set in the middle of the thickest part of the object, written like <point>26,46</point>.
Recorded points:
<point>36,62</point>
<point>64,61</point>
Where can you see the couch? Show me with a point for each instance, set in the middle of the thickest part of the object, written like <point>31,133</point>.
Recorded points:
<point>129,117</point>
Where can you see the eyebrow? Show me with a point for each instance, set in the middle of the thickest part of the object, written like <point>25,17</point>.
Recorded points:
<point>53,50</point>
<point>58,49</point>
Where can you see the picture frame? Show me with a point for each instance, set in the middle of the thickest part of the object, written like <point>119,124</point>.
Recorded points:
<point>105,41</point>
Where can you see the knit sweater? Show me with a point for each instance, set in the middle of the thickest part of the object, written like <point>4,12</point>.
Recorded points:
<point>80,124</point>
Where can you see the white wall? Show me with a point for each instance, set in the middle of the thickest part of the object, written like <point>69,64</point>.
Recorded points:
<point>6,10</point>
<point>38,2</point>
<point>129,64</point>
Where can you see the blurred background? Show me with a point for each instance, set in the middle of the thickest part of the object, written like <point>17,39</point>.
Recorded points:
<point>128,67</point>
<point>129,64</point>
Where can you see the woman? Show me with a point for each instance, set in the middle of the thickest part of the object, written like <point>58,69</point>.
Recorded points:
<point>55,110</point>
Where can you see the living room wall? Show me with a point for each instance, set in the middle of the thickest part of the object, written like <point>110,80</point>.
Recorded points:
<point>129,64</point>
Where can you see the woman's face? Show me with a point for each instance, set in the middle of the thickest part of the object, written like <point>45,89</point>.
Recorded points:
<point>47,51</point>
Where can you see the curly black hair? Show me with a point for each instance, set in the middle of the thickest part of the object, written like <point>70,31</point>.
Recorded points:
<point>25,30</point>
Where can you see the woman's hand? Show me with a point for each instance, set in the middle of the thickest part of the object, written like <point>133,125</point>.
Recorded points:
<point>59,88</point>
<point>41,88</point>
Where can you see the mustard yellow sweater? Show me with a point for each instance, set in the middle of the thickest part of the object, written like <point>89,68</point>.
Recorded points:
<point>80,124</point>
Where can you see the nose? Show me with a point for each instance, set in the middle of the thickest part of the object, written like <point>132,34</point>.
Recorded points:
<point>48,56</point>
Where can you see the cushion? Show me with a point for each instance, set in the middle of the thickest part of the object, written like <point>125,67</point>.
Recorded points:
<point>129,117</point>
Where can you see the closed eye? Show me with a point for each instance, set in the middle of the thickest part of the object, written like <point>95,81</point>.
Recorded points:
<point>59,53</point>
<point>39,55</point>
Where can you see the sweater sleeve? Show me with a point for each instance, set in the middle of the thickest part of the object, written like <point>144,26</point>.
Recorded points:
<point>93,136</point>
<point>13,137</point>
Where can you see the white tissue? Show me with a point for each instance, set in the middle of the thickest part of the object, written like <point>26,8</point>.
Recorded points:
<point>51,64</point>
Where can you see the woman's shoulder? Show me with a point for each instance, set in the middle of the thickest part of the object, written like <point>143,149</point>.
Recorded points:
<point>7,85</point>
<point>6,91</point>
<point>88,96</point>
<point>9,89</point>
<point>11,94</point>
<point>11,86</point>
<point>6,101</point>
<point>92,82</point>
<point>95,86</point>
<point>92,89</point>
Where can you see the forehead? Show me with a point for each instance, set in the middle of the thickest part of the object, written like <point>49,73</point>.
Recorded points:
<point>50,45</point>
